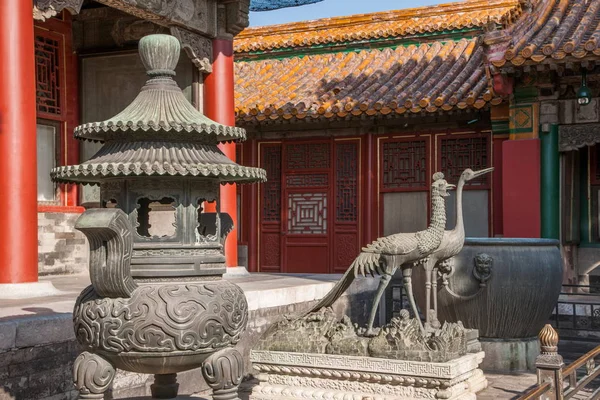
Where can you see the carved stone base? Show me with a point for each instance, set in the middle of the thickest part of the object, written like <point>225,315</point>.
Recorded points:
<point>510,355</point>
<point>284,375</point>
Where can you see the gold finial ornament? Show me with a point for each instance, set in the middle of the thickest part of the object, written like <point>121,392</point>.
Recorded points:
<point>548,339</point>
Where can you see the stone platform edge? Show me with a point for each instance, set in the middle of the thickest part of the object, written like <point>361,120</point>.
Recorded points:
<point>24,326</point>
<point>279,362</point>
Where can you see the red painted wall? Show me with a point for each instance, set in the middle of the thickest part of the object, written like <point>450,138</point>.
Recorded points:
<point>498,217</point>
<point>521,188</point>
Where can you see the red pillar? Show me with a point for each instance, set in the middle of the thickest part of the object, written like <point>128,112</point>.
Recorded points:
<point>219,106</point>
<point>18,186</point>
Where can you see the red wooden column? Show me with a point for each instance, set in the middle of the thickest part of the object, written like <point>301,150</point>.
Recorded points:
<point>219,106</point>
<point>18,186</point>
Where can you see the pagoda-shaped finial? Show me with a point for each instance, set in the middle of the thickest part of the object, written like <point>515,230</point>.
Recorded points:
<point>159,54</point>
<point>159,107</point>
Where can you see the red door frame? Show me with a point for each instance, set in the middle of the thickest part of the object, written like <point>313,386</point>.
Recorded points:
<point>351,234</point>
<point>434,164</point>
<point>298,240</point>
<point>488,177</point>
<point>59,28</point>
<point>427,138</point>
<point>266,234</point>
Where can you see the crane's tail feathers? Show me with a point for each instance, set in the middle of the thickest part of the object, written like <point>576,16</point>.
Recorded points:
<point>367,262</point>
<point>335,293</point>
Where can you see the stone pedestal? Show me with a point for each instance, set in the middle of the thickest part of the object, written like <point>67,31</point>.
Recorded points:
<point>287,376</point>
<point>509,355</point>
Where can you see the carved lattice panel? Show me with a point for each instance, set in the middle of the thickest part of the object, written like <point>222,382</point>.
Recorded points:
<point>271,250</point>
<point>346,249</point>
<point>307,180</point>
<point>307,156</point>
<point>271,162</point>
<point>346,182</point>
<point>458,154</point>
<point>307,213</point>
<point>404,165</point>
<point>48,79</point>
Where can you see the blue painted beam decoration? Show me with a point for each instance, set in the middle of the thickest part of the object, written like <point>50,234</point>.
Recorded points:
<point>267,5</point>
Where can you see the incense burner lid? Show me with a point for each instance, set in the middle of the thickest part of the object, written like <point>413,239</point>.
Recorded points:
<point>131,159</point>
<point>160,107</point>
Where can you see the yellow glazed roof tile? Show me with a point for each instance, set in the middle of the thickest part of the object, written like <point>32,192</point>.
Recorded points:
<point>554,29</point>
<point>427,77</point>
<point>381,25</point>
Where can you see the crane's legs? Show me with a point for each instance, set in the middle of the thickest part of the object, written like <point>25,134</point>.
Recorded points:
<point>427,294</point>
<point>429,266</point>
<point>434,286</point>
<point>407,281</point>
<point>383,282</point>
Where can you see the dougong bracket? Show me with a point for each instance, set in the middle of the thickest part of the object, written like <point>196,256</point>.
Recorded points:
<point>197,47</point>
<point>111,244</point>
<point>44,9</point>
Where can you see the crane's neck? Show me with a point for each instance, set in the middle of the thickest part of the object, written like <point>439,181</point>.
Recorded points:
<point>459,229</point>
<point>438,213</point>
<point>430,239</point>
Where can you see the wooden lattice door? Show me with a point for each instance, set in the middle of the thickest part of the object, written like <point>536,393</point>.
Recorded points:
<point>310,206</point>
<point>306,222</point>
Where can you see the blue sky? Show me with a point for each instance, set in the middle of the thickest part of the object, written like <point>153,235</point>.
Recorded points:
<point>332,8</point>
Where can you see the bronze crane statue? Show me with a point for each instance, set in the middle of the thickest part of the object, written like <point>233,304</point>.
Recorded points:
<point>385,255</point>
<point>451,244</point>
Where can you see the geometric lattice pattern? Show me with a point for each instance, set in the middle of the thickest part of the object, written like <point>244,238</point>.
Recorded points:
<point>307,180</point>
<point>346,182</point>
<point>307,156</point>
<point>307,213</point>
<point>48,86</point>
<point>271,199</point>
<point>458,154</point>
<point>405,165</point>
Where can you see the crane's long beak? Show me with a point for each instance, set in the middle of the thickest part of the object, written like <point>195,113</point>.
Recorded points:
<point>482,172</point>
<point>450,186</point>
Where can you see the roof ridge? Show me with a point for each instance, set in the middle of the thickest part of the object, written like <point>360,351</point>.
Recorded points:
<point>458,17</point>
<point>390,15</point>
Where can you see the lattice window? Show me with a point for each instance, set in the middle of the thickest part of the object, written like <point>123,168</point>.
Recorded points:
<point>458,154</point>
<point>48,79</point>
<point>405,165</point>
<point>346,182</point>
<point>307,180</point>
<point>271,161</point>
<point>307,213</point>
<point>307,156</point>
